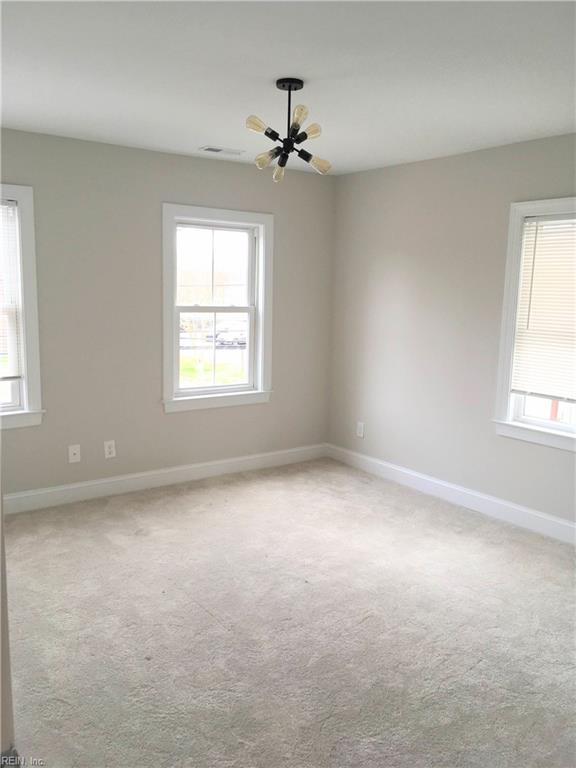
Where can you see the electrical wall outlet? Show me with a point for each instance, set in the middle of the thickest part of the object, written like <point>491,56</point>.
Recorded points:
<point>360,429</point>
<point>73,454</point>
<point>109,449</point>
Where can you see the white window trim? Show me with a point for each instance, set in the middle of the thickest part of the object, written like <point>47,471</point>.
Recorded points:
<point>260,390</point>
<point>31,414</point>
<point>505,424</point>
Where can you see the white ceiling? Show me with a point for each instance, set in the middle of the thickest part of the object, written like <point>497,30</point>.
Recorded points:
<point>389,82</point>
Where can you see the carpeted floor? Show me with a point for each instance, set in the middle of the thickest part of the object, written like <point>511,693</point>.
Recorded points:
<point>311,616</point>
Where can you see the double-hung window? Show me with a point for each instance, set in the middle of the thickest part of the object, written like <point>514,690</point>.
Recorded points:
<point>537,375</point>
<point>19,353</point>
<point>217,307</point>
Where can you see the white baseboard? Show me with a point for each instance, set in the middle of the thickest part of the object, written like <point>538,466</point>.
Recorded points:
<point>507,511</point>
<point>25,501</point>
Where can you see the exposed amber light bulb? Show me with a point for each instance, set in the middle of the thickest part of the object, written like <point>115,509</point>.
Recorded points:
<point>313,131</point>
<point>264,159</point>
<point>278,174</point>
<point>322,166</point>
<point>300,114</point>
<point>255,124</point>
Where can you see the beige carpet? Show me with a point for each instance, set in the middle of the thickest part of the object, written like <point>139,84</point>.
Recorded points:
<point>304,617</point>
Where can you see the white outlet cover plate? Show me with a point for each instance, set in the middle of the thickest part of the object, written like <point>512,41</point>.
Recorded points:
<point>109,449</point>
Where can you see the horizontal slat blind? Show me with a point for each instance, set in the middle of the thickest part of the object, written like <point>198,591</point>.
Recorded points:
<point>544,360</point>
<point>11,362</point>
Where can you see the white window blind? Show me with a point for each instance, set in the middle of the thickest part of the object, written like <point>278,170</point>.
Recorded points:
<point>11,336</point>
<point>20,392</point>
<point>544,358</point>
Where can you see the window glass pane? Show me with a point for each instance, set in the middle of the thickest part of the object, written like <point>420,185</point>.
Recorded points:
<point>231,258</point>
<point>555,412</point>
<point>196,350</point>
<point>194,265</point>
<point>6,339</point>
<point>232,348</point>
<point>9,393</point>
<point>537,407</point>
<point>212,266</point>
<point>567,413</point>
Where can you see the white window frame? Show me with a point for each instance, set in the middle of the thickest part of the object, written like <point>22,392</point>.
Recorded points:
<point>506,420</point>
<point>258,389</point>
<point>29,412</point>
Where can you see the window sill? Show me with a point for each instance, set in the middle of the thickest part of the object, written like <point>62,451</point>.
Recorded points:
<point>15,419</point>
<point>533,434</point>
<point>216,401</point>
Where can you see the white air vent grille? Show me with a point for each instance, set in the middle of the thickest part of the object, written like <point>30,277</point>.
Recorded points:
<point>213,150</point>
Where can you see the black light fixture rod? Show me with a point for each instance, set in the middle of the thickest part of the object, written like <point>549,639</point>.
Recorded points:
<point>289,84</point>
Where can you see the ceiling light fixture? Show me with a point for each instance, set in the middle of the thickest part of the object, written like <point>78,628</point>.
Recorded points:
<point>295,134</point>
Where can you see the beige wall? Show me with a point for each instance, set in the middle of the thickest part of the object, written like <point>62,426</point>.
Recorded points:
<point>416,254</point>
<point>99,261</point>
<point>418,287</point>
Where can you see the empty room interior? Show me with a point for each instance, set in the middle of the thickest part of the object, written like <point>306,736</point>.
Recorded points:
<point>288,384</point>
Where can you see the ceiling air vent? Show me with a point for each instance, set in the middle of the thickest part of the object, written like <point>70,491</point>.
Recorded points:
<point>221,150</point>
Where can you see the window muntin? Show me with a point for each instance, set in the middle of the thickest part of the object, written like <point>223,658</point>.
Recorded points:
<point>217,268</point>
<point>19,353</point>
<point>537,375</point>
